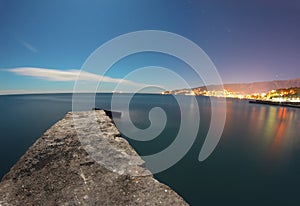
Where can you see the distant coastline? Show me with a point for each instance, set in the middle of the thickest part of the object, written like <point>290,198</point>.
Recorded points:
<point>284,104</point>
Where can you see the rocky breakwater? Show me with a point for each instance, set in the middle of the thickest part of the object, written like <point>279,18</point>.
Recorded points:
<point>62,168</point>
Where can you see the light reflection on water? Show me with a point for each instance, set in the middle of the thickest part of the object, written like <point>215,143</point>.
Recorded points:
<point>257,161</point>
<point>275,127</point>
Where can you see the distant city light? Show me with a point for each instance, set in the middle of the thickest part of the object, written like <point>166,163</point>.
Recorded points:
<point>280,95</point>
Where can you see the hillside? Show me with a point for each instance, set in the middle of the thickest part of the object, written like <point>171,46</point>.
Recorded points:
<point>248,88</point>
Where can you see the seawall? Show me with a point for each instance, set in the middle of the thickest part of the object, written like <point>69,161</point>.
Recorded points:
<point>281,104</point>
<point>57,170</point>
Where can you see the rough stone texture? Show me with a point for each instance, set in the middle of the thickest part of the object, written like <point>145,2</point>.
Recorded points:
<point>57,170</point>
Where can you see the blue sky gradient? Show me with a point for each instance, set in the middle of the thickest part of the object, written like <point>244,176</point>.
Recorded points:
<point>248,41</point>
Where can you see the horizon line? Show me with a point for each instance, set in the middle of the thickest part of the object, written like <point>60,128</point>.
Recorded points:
<point>24,92</point>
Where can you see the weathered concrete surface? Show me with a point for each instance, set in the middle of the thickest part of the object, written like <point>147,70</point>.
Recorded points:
<point>57,170</point>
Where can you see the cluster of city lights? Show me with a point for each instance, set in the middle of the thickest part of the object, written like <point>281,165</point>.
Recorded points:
<point>280,95</point>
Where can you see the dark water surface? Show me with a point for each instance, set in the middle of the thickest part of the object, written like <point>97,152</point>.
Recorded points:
<point>257,161</point>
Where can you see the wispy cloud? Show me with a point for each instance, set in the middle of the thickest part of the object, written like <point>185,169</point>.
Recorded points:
<point>68,75</point>
<point>20,91</point>
<point>28,46</point>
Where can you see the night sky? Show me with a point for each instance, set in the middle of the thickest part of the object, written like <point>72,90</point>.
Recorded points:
<point>248,40</point>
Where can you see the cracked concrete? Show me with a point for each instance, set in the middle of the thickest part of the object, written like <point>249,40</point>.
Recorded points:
<point>59,169</point>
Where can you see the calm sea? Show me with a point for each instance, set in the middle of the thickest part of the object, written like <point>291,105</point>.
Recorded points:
<point>257,161</point>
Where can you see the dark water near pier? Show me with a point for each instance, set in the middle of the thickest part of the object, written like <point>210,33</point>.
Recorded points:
<point>257,161</point>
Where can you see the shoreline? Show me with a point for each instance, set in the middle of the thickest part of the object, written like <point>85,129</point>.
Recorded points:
<point>280,104</point>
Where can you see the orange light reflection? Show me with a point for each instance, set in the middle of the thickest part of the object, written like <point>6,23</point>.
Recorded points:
<point>278,140</point>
